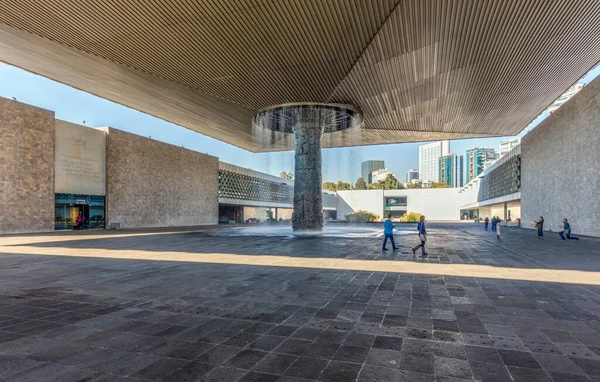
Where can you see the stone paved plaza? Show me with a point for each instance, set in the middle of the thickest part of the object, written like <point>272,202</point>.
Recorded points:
<point>211,305</point>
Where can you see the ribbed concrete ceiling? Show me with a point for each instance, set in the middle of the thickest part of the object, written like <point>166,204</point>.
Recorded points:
<point>419,69</point>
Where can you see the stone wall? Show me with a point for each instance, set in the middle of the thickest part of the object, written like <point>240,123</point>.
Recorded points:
<point>154,184</point>
<point>561,166</point>
<point>80,155</point>
<point>26,168</point>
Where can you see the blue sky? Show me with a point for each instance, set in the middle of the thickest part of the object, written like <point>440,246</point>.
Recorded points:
<point>338,164</point>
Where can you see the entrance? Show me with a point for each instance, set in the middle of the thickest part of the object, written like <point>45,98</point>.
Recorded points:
<point>84,211</point>
<point>69,206</point>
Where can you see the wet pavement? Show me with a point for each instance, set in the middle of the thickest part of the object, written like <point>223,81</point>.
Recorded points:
<point>203,305</point>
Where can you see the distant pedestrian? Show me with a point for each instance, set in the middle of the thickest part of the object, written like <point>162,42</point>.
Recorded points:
<point>422,228</point>
<point>567,231</point>
<point>79,221</point>
<point>486,222</point>
<point>494,223</point>
<point>498,221</point>
<point>540,227</point>
<point>388,233</point>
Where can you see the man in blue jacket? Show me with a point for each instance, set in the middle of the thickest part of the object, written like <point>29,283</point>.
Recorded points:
<point>388,233</point>
<point>567,231</point>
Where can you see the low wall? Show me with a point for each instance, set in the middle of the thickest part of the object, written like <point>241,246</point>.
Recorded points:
<point>561,166</point>
<point>154,184</point>
<point>436,203</point>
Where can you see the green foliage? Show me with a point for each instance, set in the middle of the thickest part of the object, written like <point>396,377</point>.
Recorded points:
<point>287,175</point>
<point>343,186</point>
<point>412,217</point>
<point>439,185</point>
<point>361,217</point>
<point>389,183</point>
<point>329,186</point>
<point>360,184</point>
<point>413,185</point>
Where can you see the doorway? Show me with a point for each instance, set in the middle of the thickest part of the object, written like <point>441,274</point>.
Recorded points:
<point>84,210</point>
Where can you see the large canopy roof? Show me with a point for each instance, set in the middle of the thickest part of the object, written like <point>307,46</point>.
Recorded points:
<point>418,69</point>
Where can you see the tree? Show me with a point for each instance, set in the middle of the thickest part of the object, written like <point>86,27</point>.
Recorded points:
<point>389,183</point>
<point>286,175</point>
<point>343,186</point>
<point>361,217</point>
<point>360,184</point>
<point>413,185</point>
<point>439,185</point>
<point>412,217</point>
<point>329,186</point>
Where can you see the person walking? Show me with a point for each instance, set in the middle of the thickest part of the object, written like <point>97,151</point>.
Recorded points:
<point>486,222</point>
<point>422,228</point>
<point>493,223</point>
<point>540,227</point>
<point>498,221</point>
<point>567,231</point>
<point>388,233</point>
<point>79,221</point>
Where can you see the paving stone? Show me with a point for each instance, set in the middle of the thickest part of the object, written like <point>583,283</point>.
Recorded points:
<point>351,354</point>
<point>160,369</point>
<point>218,354</point>
<point>477,339</point>
<point>449,350</point>
<point>490,372</point>
<point>589,366</point>
<point>521,374</point>
<point>293,346</point>
<point>223,373</point>
<point>452,367</point>
<point>338,371</point>
<point>275,363</point>
<point>577,351</point>
<point>306,367</point>
<point>384,357</point>
<point>371,373</point>
<point>518,358</point>
<point>254,376</point>
<point>359,339</point>
<point>557,363</point>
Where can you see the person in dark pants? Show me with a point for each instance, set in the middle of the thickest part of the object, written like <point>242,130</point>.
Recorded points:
<point>498,221</point>
<point>79,221</point>
<point>388,233</point>
<point>494,223</point>
<point>567,231</point>
<point>421,227</point>
<point>486,222</point>
<point>540,227</point>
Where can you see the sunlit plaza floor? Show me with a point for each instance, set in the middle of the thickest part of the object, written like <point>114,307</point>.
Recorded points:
<point>224,304</point>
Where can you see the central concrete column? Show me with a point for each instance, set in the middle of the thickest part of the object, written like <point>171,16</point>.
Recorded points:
<point>308,203</point>
<point>307,122</point>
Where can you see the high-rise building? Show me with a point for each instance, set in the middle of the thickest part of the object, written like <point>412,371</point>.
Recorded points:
<point>477,160</point>
<point>367,167</point>
<point>380,174</point>
<point>505,147</point>
<point>451,170</point>
<point>565,97</point>
<point>429,156</point>
<point>460,171</point>
<point>411,174</point>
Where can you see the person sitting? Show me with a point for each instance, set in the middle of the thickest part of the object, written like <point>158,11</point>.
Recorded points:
<point>567,231</point>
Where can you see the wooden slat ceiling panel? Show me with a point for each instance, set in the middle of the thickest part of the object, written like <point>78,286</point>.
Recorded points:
<point>281,51</point>
<point>483,66</point>
<point>419,70</point>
